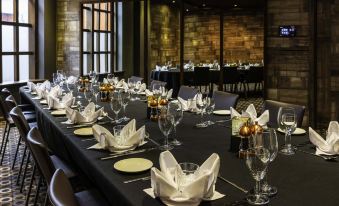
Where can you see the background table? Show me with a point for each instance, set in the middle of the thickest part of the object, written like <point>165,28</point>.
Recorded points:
<point>301,179</point>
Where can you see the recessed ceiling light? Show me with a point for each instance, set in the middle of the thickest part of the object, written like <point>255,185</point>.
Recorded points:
<point>187,10</point>
<point>203,4</point>
<point>235,5</point>
<point>173,1</point>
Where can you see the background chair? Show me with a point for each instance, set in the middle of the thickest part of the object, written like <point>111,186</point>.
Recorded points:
<point>201,77</point>
<point>273,107</point>
<point>136,79</point>
<point>61,193</point>
<point>225,100</point>
<point>186,92</point>
<point>255,75</point>
<point>231,78</point>
<point>155,84</point>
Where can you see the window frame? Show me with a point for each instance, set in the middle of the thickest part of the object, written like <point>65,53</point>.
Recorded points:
<point>32,47</point>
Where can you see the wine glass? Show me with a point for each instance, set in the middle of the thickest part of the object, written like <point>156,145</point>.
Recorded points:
<point>209,110</point>
<point>56,79</point>
<point>116,106</point>
<point>92,75</point>
<point>175,109</point>
<point>257,159</point>
<point>131,86</point>
<point>110,78</point>
<point>272,144</point>
<point>201,104</point>
<point>287,122</point>
<point>96,92</point>
<point>185,173</point>
<point>125,98</point>
<point>88,94</point>
<point>165,122</point>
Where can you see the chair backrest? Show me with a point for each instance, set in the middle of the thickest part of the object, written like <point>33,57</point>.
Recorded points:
<point>4,93</point>
<point>201,76</point>
<point>230,75</point>
<point>273,107</point>
<point>136,79</point>
<point>40,154</point>
<point>186,92</point>
<point>60,190</point>
<point>225,100</point>
<point>255,75</point>
<point>155,84</point>
<point>20,122</point>
<point>10,102</point>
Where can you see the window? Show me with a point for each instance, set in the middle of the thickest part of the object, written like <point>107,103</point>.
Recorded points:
<point>17,37</point>
<point>100,37</point>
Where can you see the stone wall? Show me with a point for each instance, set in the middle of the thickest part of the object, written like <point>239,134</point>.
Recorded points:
<point>287,64</point>
<point>67,30</point>
<point>164,35</point>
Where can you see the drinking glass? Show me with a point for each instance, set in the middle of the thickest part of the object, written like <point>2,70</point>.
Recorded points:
<point>120,139</point>
<point>272,144</point>
<point>110,78</point>
<point>116,106</point>
<point>175,109</point>
<point>56,80</point>
<point>96,92</point>
<point>125,98</point>
<point>92,75</point>
<point>201,106</point>
<point>115,80</point>
<point>88,94</point>
<point>131,87</point>
<point>165,122</point>
<point>209,110</point>
<point>257,159</point>
<point>185,173</point>
<point>287,122</point>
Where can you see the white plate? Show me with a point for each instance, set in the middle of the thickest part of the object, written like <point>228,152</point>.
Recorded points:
<point>298,131</point>
<point>87,131</point>
<point>33,93</point>
<point>142,93</point>
<point>222,112</point>
<point>133,165</point>
<point>43,102</point>
<point>58,113</point>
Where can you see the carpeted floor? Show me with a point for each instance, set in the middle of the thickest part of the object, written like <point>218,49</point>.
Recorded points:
<point>10,191</point>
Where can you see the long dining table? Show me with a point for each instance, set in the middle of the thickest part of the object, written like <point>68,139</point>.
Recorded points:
<point>301,179</point>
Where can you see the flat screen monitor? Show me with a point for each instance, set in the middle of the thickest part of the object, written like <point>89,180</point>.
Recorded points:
<point>287,31</point>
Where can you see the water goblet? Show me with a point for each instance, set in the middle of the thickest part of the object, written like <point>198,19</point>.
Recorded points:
<point>116,106</point>
<point>165,122</point>
<point>175,109</point>
<point>209,110</point>
<point>120,138</point>
<point>88,94</point>
<point>201,106</point>
<point>185,173</point>
<point>125,98</point>
<point>287,122</point>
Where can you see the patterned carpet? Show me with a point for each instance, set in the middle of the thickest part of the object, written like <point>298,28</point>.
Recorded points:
<point>10,191</point>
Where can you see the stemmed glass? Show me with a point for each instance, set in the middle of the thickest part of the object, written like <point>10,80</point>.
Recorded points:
<point>165,122</point>
<point>287,122</point>
<point>88,94</point>
<point>96,92</point>
<point>110,78</point>
<point>131,86</point>
<point>116,106</point>
<point>175,109</point>
<point>257,159</point>
<point>125,98</point>
<point>272,144</point>
<point>185,173</point>
<point>201,106</point>
<point>56,79</point>
<point>209,110</point>
<point>92,75</point>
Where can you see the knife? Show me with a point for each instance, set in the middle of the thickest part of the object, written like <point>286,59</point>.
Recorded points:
<point>128,153</point>
<point>86,125</point>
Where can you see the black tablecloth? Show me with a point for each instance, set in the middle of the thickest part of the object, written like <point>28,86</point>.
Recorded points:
<point>301,179</point>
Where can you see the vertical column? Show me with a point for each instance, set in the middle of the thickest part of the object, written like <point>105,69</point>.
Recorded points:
<point>312,79</point>
<point>221,61</point>
<point>181,25</point>
<point>146,9</point>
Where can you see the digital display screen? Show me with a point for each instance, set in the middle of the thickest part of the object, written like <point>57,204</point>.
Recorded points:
<point>287,31</point>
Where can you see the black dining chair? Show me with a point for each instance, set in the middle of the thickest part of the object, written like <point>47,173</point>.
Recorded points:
<point>201,77</point>
<point>136,79</point>
<point>155,84</point>
<point>61,193</point>
<point>186,92</point>
<point>26,108</point>
<point>273,108</point>
<point>231,78</point>
<point>225,100</point>
<point>255,76</point>
<point>44,162</point>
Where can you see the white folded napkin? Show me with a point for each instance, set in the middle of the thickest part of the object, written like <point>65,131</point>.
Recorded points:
<point>42,89</point>
<point>252,113</point>
<point>142,87</point>
<point>165,187</point>
<point>105,81</point>
<point>106,140</point>
<point>330,146</point>
<point>88,115</point>
<point>66,101</point>
<point>31,86</point>
<point>120,83</point>
<point>55,91</point>
<point>71,80</point>
<point>187,105</point>
<point>157,68</point>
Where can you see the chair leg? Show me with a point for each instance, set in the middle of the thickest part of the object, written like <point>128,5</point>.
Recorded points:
<point>6,142</point>
<point>16,152</point>
<point>37,191</point>
<point>3,136</point>
<point>30,185</point>
<point>25,171</point>
<point>21,164</point>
